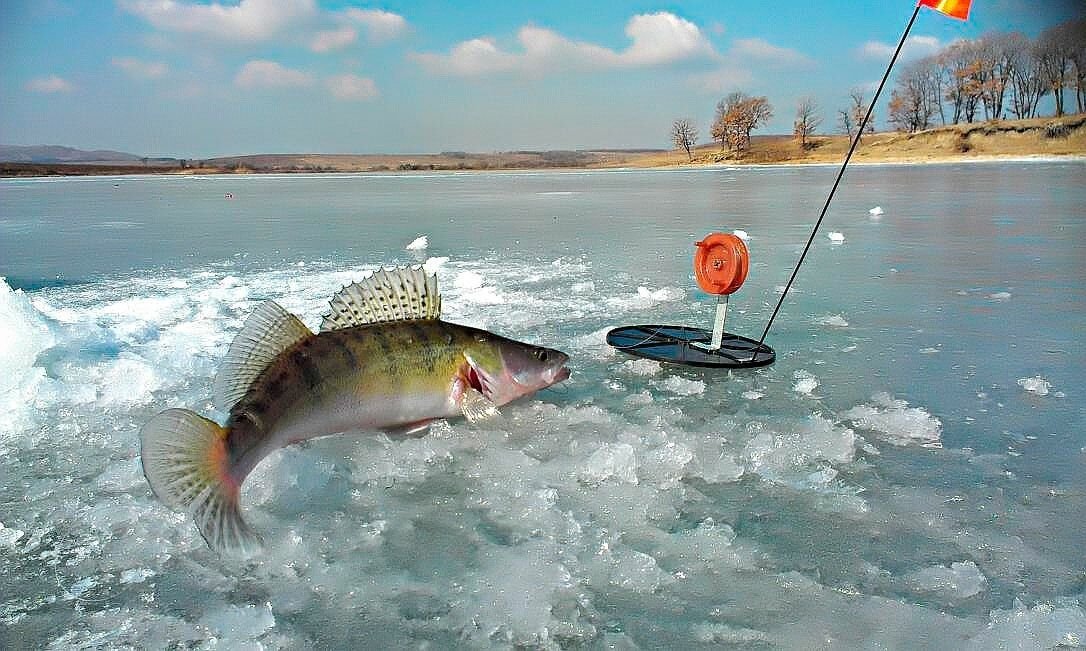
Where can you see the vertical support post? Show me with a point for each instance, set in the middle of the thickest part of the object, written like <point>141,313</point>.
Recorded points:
<point>718,324</point>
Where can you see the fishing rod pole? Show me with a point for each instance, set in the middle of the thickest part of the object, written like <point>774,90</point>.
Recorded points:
<point>840,173</point>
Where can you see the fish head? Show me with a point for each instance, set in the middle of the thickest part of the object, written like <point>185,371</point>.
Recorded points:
<point>504,369</point>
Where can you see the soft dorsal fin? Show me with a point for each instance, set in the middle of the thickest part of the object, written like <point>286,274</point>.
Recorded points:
<point>401,294</point>
<point>268,331</point>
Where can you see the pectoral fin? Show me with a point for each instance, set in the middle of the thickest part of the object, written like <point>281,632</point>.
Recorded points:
<point>476,407</point>
<point>409,431</point>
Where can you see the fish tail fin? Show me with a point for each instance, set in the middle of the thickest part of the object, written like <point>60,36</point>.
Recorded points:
<point>186,462</point>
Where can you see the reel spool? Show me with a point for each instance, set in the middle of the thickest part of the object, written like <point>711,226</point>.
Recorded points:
<point>721,264</point>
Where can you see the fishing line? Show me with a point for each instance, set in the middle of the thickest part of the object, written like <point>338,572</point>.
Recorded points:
<point>840,173</point>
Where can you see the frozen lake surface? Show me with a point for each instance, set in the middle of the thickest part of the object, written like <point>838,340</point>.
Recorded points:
<point>911,473</point>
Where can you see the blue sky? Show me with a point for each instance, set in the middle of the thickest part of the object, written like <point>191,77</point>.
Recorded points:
<point>199,79</point>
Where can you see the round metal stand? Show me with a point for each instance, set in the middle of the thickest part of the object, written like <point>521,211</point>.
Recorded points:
<point>689,346</point>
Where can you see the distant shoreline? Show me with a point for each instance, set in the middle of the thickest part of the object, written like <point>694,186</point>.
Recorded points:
<point>1038,139</point>
<point>992,159</point>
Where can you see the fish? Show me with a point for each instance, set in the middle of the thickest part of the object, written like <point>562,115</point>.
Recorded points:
<point>383,360</point>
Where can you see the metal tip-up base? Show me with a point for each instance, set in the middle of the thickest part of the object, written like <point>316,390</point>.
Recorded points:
<point>689,346</point>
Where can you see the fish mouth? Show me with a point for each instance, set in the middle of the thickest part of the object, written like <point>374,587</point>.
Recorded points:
<point>561,375</point>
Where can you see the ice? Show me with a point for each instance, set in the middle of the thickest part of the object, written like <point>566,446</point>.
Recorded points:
<point>1000,296</point>
<point>8,537</point>
<point>24,334</point>
<point>233,625</point>
<point>836,237</point>
<point>609,511</point>
<point>420,243</point>
<point>741,234</point>
<point>895,422</point>
<point>121,476</point>
<point>875,212</point>
<point>682,386</point>
<point>805,383</point>
<point>432,265</point>
<point>136,575</point>
<point>611,460</point>
<point>467,280</point>
<point>787,456</point>
<point>717,633</point>
<point>1044,626</point>
<point>1036,384</point>
<point>834,321</point>
<point>960,580</point>
<point>516,592</point>
<point>646,298</point>
<point>643,367</point>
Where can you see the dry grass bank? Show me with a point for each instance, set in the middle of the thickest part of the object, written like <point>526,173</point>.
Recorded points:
<point>1065,136</point>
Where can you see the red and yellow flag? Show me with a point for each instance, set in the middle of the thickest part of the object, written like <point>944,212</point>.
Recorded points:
<point>954,8</point>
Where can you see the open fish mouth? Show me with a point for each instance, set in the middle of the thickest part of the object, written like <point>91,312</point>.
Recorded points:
<point>561,375</point>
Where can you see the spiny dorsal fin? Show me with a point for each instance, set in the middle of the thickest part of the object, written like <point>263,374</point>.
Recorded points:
<point>268,331</point>
<point>401,294</point>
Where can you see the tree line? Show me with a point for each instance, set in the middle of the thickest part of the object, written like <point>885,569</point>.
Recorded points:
<point>999,75</point>
<point>996,76</point>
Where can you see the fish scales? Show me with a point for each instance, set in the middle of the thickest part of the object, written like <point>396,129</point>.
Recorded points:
<point>371,362</point>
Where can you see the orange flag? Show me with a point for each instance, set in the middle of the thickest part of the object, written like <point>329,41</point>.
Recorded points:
<point>954,8</point>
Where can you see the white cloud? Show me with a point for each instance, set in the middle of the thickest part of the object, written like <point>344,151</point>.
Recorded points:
<point>269,74</point>
<point>352,87</point>
<point>140,69</point>
<point>762,50</point>
<point>333,39</point>
<point>915,47</point>
<point>50,84</point>
<point>656,39</point>
<point>249,20</point>
<point>380,25</point>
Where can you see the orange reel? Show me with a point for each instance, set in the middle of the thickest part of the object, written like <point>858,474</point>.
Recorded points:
<point>721,262</point>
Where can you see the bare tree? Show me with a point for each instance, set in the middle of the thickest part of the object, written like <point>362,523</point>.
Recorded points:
<point>684,134</point>
<point>808,119</point>
<point>858,110</point>
<point>736,116</point>
<point>1077,54</point>
<point>722,125</point>
<point>844,122</point>
<point>1026,84</point>
<point>961,65</point>
<point>1053,52</point>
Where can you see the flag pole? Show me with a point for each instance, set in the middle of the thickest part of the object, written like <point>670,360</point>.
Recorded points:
<point>840,173</point>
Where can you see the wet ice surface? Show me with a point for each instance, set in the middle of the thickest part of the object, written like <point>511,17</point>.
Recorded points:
<point>858,493</point>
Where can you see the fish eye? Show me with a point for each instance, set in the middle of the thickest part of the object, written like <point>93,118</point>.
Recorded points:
<point>541,354</point>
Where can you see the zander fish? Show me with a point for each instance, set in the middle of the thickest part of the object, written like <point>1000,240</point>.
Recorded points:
<point>383,360</point>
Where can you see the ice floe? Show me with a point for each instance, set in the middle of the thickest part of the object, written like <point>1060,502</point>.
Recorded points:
<point>420,243</point>
<point>1035,384</point>
<point>893,421</point>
